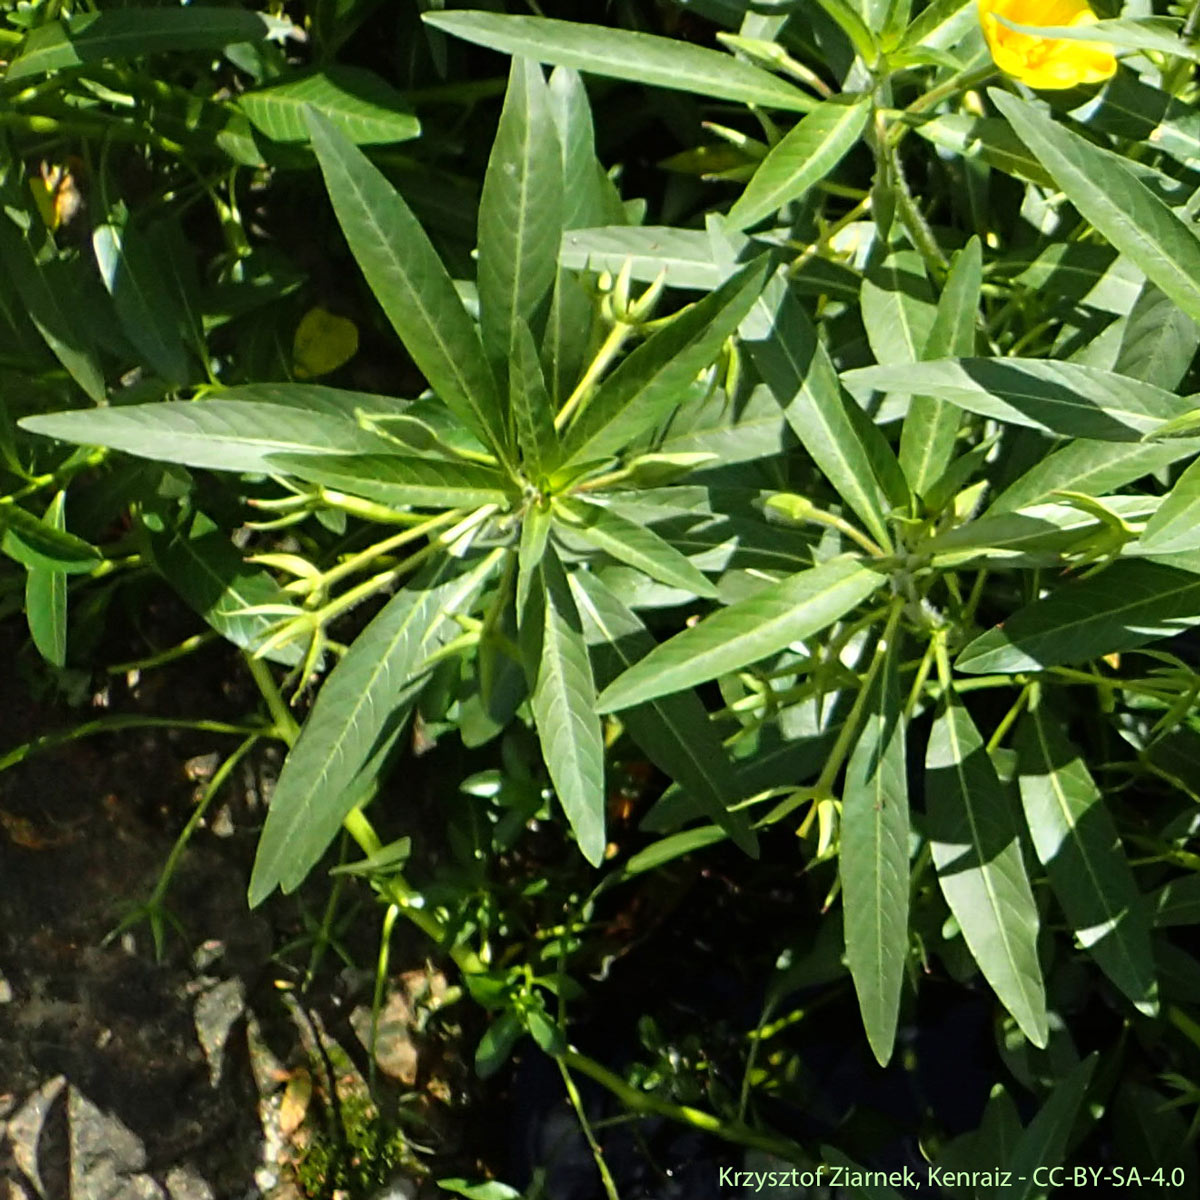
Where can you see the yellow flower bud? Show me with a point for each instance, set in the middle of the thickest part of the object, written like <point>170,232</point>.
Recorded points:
<point>1045,62</point>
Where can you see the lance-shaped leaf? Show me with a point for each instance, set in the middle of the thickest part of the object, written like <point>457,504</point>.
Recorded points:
<point>145,305</point>
<point>60,330</point>
<point>1095,468</point>
<point>930,429</point>
<point>974,835</point>
<point>841,439</point>
<point>127,32</point>
<point>360,707</point>
<point>520,214</point>
<point>562,694</point>
<point>398,481</point>
<point>204,567</point>
<point>1113,200</point>
<point>1160,340</point>
<point>532,410</point>
<point>645,387</point>
<point>765,623</point>
<point>621,54</point>
<point>363,106</point>
<point>1176,525</point>
<point>1043,1145</point>
<point>1128,604</point>
<point>1076,841</point>
<point>804,157</point>
<point>220,435</point>
<point>631,543</point>
<point>46,596</point>
<point>675,731</point>
<point>42,543</point>
<point>410,282</point>
<point>873,858</point>
<point>1058,397</point>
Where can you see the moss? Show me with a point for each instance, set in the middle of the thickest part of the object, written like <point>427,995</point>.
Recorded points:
<point>363,1161</point>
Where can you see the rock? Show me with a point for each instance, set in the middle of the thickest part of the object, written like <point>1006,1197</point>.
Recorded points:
<point>107,1157</point>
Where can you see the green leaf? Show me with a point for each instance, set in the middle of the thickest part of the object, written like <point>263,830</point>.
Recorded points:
<point>497,1044</point>
<point>1127,605</point>
<point>363,107</point>
<point>220,435</point>
<point>536,524</point>
<point>364,702</point>
<point>974,835</point>
<point>898,308</point>
<point>1094,468</point>
<point>1058,397</point>
<point>1043,1145</point>
<point>1113,200</point>
<point>631,543</point>
<point>203,566</point>
<point>145,306</point>
<point>804,157</point>
<point>491,1190</point>
<point>873,858</point>
<point>1176,902</point>
<point>621,54</point>
<point>651,380</point>
<point>1176,525</point>
<point>929,433</point>
<point>42,299</point>
<point>1159,342</point>
<point>562,697</point>
<point>650,250</point>
<point>46,596</point>
<point>675,732</point>
<point>393,480</point>
<point>1076,841</point>
<point>531,407</point>
<point>747,632</point>
<point>520,214</point>
<point>845,444</point>
<point>128,32</point>
<point>411,284</point>
<point>37,543</point>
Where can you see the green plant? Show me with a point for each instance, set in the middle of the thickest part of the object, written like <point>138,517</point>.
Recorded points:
<point>868,541</point>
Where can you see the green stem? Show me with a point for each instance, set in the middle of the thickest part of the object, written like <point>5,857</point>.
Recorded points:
<point>647,1104</point>
<point>119,723</point>
<point>610,1187</point>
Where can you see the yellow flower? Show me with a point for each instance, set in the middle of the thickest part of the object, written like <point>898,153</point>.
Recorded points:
<point>1043,62</point>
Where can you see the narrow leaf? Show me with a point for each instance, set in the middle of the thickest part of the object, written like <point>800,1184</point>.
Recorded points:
<point>1113,200</point>
<point>220,435</point>
<point>364,108</point>
<point>621,54</point>
<point>974,836</point>
<point>46,596</point>
<point>1076,841</point>
<point>520,214</point>
<point>675,732</point>
<point>873,859</point>
<point>1127,605</point>
<point>929,433</point>
<point>398,481</point>
<point>127,32</point>
<point>805,156</point>
<point>562,696</point>
<point>747,632</point>
<point>366,699</point>
<point>1058,397</point>
<point>410,282</point>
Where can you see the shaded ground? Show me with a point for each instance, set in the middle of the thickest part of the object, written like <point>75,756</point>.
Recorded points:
<point>201,1075</point>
